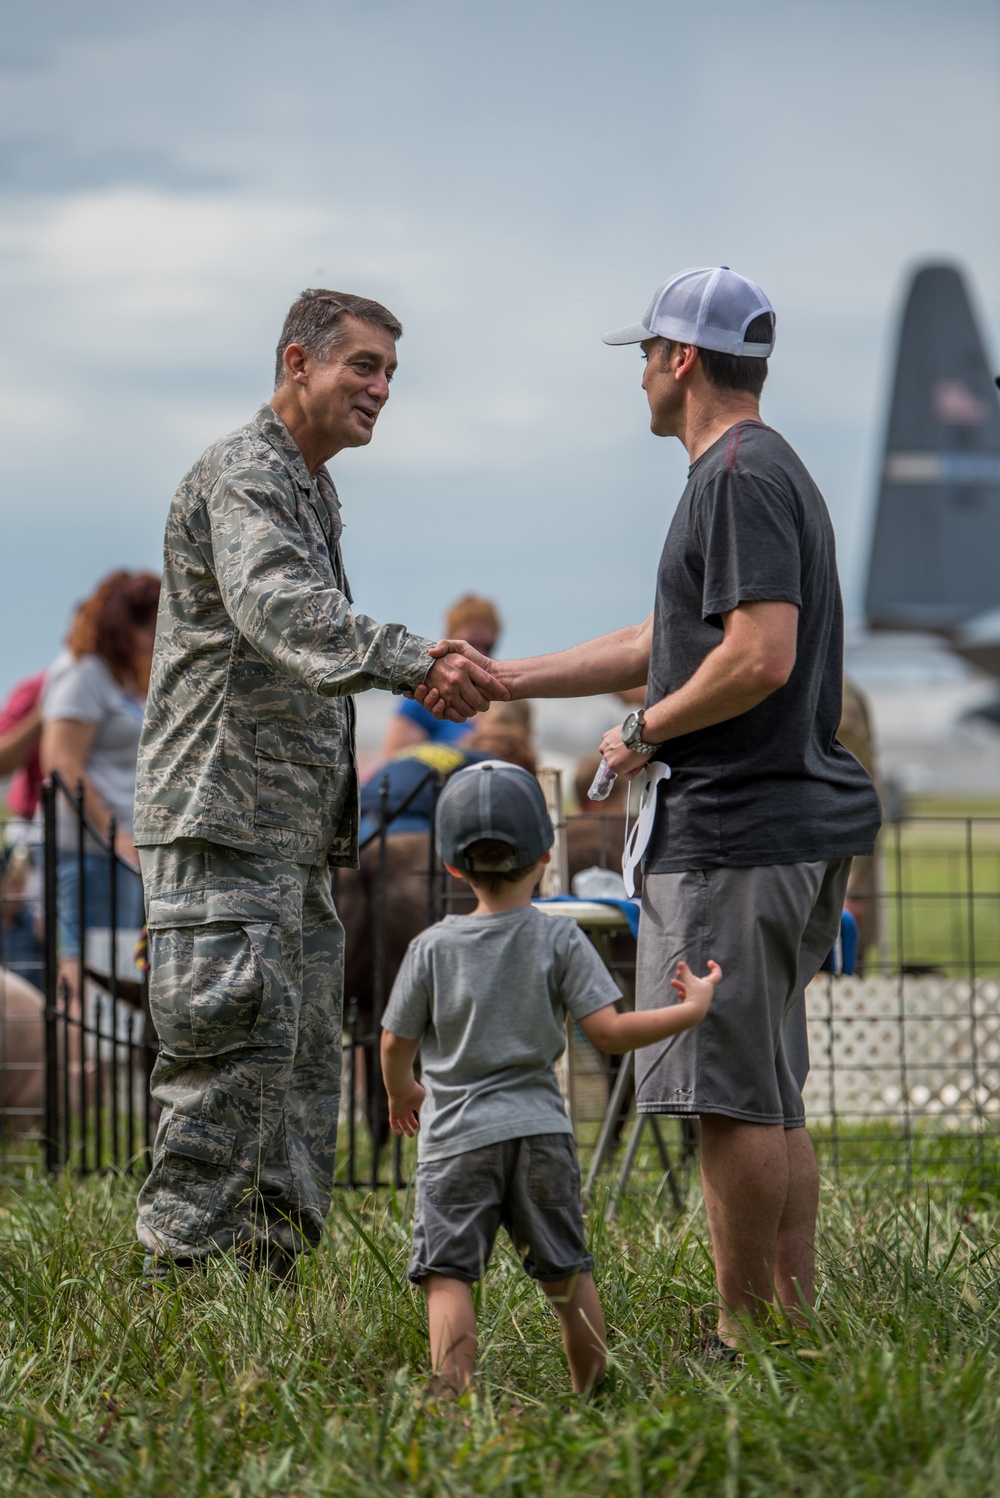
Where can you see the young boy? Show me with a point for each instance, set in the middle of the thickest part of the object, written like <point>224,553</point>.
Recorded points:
<point>484,997</point>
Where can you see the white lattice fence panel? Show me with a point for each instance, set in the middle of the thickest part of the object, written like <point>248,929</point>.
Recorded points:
<point>897,1046</point>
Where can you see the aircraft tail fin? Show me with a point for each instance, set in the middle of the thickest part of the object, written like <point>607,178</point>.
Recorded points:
<point>935,557</point>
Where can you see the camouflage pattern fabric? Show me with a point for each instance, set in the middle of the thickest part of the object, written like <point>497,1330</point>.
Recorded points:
<point>246,986</point>
<point>248,738</point>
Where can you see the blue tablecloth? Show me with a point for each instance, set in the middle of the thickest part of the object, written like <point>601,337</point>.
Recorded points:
<point>629,908</point>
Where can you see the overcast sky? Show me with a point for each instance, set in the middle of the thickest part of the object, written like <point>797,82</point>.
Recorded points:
<point>512,179</point>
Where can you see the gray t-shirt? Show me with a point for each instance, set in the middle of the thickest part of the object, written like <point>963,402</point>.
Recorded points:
<point>772,785</point>
<point>86,692</point>
<point>487,996</point>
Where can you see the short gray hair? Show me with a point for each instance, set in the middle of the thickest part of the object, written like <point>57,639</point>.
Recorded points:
<point>316,321</point>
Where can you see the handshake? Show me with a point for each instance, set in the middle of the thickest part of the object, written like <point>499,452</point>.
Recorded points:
<point>460,682</point>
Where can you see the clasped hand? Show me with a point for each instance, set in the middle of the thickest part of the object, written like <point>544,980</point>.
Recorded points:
<point>462,682</point>
<point>459,683</point>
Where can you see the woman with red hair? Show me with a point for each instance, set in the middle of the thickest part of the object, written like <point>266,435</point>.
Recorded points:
<point>92,710</point>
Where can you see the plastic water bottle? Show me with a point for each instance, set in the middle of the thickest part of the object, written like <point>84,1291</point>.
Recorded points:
<point>603,783</point>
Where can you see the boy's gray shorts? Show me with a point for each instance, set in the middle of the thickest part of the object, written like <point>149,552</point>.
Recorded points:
<point>770,929</point>
<point>530,1186</point>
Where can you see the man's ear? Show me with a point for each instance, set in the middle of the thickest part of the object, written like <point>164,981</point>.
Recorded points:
<point>294,359</point>
<point>546,858</point>
<point>688,358</point>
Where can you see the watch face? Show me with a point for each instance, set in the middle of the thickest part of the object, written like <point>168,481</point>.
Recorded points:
<point>631,731</point>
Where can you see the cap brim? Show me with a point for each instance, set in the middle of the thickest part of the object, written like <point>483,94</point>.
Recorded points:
<point>637,333</point>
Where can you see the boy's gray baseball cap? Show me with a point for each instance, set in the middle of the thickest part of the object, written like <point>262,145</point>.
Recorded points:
<point>711,308</point>
<point>496,800</point>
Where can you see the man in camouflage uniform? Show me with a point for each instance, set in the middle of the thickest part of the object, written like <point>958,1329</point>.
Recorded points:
<point>247,790</point>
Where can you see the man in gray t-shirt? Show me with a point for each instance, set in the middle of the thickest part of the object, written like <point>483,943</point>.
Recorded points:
<point>755,828</point>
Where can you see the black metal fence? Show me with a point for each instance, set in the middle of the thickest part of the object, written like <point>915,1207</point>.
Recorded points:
<point>365,1138</point>
<point>99,1044</point>
<point>905,1054</point>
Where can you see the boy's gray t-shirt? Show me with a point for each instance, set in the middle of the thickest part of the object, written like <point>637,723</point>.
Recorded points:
<point>487,996</point>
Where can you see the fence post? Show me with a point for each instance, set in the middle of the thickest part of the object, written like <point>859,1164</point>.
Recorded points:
<point>352,1084</point>
<point>51,978</point>
<point>432,859</point>
<point>81,1017</point>
<point>130,1095</point>
<point>150,1051</point>
<point>970,881</point>
<point>113,984</point>
<point>378,965</point>
<point>555,876</point>
<point>904,1080</point>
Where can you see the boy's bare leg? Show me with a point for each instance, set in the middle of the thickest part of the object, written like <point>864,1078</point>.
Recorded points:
<point>585,1339</point>
<point>745,1176</point>
<point>795,1260</point>
<point>452,1325</point>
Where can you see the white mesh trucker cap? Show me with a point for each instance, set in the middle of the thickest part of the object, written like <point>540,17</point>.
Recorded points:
<point>496,800</point>
<point>711,308</point>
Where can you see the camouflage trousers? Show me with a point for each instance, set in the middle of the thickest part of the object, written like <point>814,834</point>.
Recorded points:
<point>246,994</point>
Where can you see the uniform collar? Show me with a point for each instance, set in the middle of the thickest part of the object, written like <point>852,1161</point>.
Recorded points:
<point>319,486</point>
<point>273,430</point>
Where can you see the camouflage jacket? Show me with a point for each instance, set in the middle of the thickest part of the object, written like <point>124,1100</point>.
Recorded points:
<point>248,738</point>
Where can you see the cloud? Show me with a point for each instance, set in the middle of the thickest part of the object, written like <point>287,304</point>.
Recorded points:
<point>109,293</point>
<point>510,182</point>
<point>53,162</point>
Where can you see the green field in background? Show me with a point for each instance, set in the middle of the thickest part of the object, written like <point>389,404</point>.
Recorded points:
<point>940,886</point>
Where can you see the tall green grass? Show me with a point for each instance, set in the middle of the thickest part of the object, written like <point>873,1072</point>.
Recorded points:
<point>220,1386</point>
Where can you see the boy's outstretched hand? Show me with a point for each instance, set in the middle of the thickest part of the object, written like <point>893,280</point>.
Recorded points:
<point>404,1110</point>
<point>695,990</point>
<point>614,1033</point>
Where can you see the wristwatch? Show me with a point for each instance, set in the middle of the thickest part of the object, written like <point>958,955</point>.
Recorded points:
<point>632,734</point>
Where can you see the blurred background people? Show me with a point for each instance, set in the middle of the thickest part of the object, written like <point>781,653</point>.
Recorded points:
<point>473,619</point>
<point>20,922</point>
<point>92,708</point>
<point>405,789</point>
<point>21,915</point>
<point>864,887</point>
<point>20,731</point>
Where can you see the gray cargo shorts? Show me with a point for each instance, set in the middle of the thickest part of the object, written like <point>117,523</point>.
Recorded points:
<point>530,1186</point>
<point>770,929</point>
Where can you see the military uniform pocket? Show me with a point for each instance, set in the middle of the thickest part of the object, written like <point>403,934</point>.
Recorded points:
<point>199,1141</point>
<point>230,987</point>
<point>190,1175</point>
<point>214,983</point>
<point>298,787</point>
